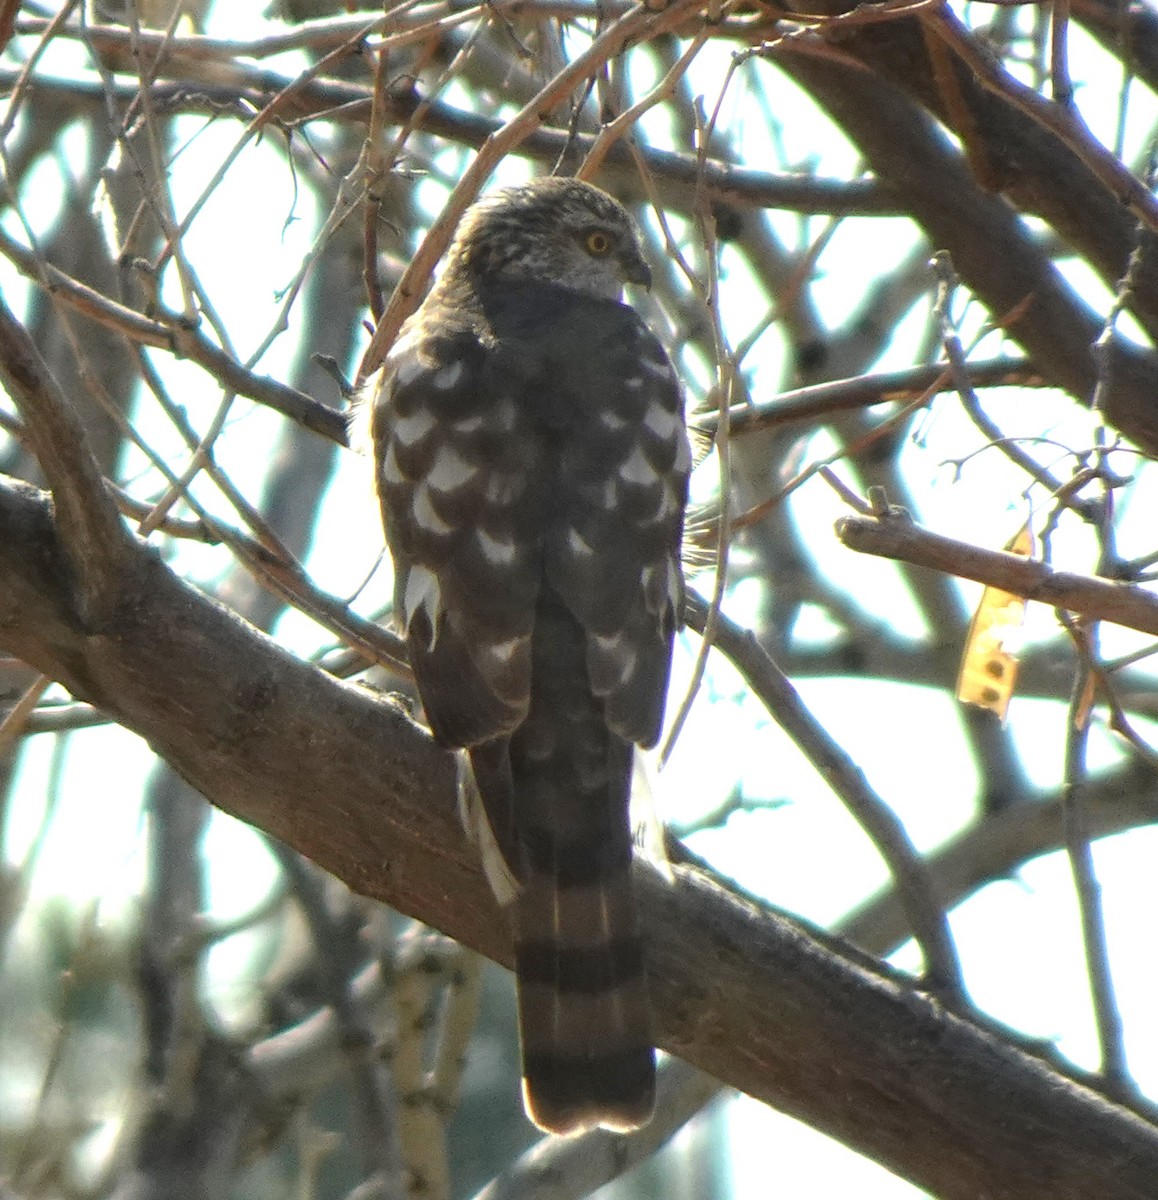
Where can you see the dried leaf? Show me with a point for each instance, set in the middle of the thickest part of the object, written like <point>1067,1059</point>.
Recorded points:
<point>988,674</point>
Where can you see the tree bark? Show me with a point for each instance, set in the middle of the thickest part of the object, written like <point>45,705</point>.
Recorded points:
<point>343,774</point>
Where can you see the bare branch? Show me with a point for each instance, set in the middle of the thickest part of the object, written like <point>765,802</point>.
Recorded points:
<point>91,530</point>
<point>999,843</point>
<point>822,401</point>
<point>575,1167</point>
<point>894,535</point>
<point>760,1001</point>
<point>921,902</point>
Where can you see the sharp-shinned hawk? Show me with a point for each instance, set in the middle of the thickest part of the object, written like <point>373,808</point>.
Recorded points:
<point>532,464</point>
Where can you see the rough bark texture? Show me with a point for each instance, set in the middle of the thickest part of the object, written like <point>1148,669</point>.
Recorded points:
<point>344,776</point>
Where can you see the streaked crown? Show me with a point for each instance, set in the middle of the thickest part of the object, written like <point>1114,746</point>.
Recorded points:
<point>562,230</point>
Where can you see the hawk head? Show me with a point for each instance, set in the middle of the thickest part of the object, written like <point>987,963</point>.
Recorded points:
<point>560,231</point>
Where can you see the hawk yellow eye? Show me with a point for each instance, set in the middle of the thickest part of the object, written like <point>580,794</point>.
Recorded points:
<point>598,243</point>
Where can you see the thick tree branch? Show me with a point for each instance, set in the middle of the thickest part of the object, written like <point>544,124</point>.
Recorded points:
<point>756,999</point>
<point>992,249</point>
<point>1010,152</point>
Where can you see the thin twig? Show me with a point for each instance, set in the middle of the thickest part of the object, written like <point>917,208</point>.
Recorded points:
<point>1107,1015</point>
<point>922,905</point>
<point>638,23</point>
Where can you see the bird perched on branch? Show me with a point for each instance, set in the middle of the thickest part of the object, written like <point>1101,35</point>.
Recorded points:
<point>532,465</point>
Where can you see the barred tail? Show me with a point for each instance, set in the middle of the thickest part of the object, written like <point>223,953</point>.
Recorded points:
<point>557,797</point>
<point>583,1013</point>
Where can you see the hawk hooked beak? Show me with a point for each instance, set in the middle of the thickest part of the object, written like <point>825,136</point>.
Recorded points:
<point>632,269</point>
